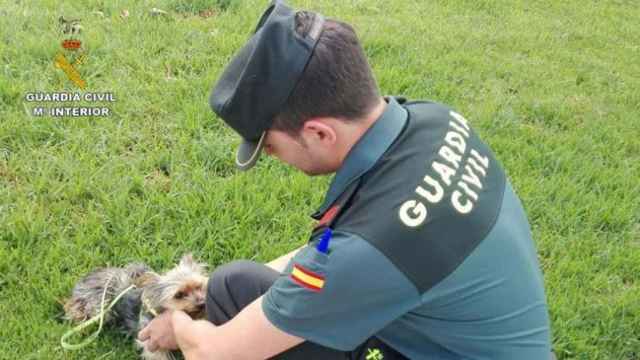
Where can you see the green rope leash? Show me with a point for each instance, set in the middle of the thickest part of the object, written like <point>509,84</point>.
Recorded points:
<point>100,317</point>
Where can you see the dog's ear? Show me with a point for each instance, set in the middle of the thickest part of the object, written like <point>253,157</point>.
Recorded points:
<point>188,262</point>
<point>146,279</point>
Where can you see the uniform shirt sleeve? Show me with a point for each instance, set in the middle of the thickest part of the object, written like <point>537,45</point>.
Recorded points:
<point>339,299</point>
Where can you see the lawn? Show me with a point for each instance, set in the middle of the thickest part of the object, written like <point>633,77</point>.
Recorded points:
<point>552,86</point>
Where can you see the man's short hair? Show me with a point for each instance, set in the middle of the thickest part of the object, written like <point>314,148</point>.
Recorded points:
<point>337,82</point>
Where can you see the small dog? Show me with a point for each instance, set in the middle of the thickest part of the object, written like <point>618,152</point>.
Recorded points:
<point>182,288</point>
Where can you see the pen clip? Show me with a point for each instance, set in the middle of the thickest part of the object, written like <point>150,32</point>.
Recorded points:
<point>323,244</point>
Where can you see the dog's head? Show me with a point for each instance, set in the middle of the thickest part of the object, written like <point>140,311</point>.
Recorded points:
<point>182,288</point>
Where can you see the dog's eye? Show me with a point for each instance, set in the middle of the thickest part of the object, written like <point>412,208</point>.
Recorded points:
<point>180,295</point>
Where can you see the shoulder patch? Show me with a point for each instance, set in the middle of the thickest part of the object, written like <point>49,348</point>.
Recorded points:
<point>307,278</point>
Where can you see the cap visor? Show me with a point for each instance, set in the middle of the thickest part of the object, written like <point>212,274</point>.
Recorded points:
<point>249,152</point>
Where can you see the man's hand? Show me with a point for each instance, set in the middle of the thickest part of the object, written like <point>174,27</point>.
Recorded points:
<point>201,340</point>
<point>193,337</point>
<point>159,334</point>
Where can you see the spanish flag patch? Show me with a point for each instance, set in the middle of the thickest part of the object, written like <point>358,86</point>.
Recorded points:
<point>307,278</point>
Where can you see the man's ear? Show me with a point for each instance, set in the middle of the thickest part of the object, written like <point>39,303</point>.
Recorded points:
<point>319,130</point>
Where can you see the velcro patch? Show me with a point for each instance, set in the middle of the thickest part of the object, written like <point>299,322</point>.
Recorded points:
<point>307,278</point>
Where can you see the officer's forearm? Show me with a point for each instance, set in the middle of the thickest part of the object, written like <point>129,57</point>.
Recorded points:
<point>248,336</point>
<point>280,263</point>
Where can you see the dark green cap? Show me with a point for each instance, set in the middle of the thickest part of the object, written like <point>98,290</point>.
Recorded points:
<point>257,82</point>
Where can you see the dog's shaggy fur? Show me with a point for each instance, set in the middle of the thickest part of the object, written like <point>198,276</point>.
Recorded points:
<point>182,288</point>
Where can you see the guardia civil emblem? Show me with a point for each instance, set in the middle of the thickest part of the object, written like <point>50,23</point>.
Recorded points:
<point>72,55</point>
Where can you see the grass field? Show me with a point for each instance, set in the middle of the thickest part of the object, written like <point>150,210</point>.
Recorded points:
<point>552,86</point>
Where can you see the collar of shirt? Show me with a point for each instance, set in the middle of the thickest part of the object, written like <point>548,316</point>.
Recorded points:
<point>366,152</point>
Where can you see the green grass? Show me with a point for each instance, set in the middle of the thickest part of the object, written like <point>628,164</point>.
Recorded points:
<point>552,86</point>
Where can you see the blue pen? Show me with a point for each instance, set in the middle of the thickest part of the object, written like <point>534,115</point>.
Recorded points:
<point>323,245</point>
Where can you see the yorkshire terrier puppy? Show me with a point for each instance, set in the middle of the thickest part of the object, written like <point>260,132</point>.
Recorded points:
<point>182,288</point>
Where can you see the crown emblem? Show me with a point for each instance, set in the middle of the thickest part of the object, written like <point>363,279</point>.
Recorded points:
<point>71,30</point>
<point>71,44</point>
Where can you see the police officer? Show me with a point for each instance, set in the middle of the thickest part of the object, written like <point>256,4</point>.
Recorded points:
<point>421,249</point>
